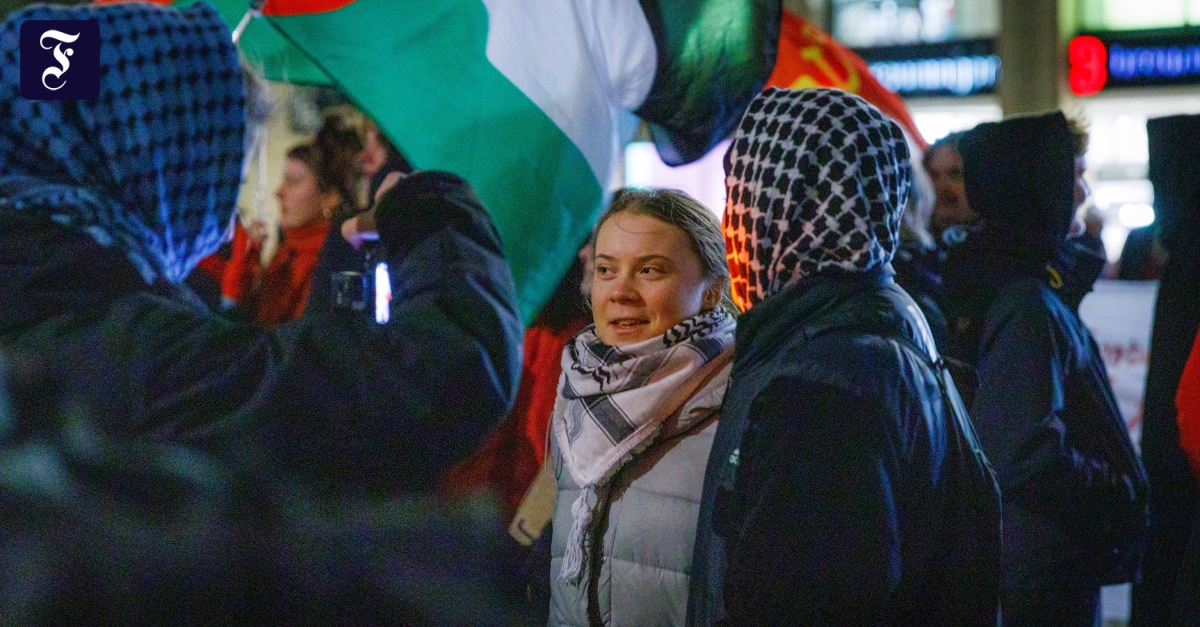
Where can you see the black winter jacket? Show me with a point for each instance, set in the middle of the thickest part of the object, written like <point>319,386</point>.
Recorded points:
<point>840,490</point>
<point>1044,408</point>
<point>1175,493</point>
<point>333,396</point>
<point>1049,424</point>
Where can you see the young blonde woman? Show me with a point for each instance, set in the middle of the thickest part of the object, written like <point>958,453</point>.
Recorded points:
<point>636,412</point>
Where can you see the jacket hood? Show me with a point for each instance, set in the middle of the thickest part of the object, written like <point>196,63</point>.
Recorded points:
<point>816,181</point>
<point>1020,179</point>
<point>153,165</point>
<point>1175,174</point>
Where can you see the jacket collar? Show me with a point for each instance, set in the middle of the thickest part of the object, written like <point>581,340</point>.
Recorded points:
<point>1073,271</point>
<point>807,307</point>
<point>975,271</point>
<point>51,269</point>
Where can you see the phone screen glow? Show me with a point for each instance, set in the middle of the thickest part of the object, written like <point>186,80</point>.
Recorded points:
<point>383,293</point>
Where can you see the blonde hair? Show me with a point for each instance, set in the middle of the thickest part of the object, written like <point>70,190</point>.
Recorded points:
<point>678,209</point>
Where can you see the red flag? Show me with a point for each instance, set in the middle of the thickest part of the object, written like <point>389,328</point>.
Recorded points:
<point>272,7</point>
<point>809,57</point>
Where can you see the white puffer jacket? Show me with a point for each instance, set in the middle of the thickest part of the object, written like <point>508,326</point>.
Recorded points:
<point>638,575</point>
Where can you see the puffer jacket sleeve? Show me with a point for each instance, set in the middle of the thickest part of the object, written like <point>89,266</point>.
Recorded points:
<point>418,394</point>
<point>818,541</point>
<point>336,255</point>
<point>334,394</point>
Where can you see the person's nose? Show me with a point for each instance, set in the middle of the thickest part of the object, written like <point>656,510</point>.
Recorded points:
<point>624,290</point>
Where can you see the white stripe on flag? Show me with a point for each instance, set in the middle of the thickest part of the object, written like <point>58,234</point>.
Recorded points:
<point>584,63</point>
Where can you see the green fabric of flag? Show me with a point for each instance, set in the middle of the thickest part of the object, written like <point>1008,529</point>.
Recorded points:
<point>529,102</point>
<point>420,71</point>
<point>711,60</point>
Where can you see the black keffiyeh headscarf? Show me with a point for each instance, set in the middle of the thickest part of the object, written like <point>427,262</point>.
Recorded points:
<point>153,165</point>
<point>816,181</point>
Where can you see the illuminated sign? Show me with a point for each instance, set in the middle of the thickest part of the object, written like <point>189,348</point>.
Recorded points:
<point>1133,59</point>
<point>960,68</point>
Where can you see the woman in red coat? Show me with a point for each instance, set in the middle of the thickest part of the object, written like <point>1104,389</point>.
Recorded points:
<point>312,193</point>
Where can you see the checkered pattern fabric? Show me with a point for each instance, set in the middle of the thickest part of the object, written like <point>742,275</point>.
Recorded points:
<point>816,181</point>
<point>154,164</point>
<point>613,403</point>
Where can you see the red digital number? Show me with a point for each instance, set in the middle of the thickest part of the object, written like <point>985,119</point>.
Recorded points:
<point>1089,65</point>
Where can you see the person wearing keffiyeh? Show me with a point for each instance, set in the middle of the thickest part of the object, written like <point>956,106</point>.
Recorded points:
<point>841,488</point>
<point>636,411</point>
<point>106,205</point>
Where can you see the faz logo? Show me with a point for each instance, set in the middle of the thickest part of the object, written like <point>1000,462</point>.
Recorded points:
<point>60,59</point>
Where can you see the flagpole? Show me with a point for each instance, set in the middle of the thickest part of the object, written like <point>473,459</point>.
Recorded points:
<point>255,10</point>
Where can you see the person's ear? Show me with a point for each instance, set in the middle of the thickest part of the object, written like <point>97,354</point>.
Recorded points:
<point>329,202</point>
<point>712,297</point>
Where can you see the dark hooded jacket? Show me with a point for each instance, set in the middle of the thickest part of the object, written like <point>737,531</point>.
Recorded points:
<point>841,490</point>
<point>105,205</point>
<point>1175,174</point>
<point>142,534</point>
<point>1044,409</point>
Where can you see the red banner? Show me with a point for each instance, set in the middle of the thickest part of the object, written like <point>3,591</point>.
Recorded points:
<point>809,57</point>
<point>273,7</point>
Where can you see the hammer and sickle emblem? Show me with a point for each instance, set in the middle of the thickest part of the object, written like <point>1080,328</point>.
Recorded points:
<point>813,54</point>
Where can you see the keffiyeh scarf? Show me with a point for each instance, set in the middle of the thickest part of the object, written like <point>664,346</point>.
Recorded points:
<point>816,180</point>
<point>153,165</point>
<point>614,402</point>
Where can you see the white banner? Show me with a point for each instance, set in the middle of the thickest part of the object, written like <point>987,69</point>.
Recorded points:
<point>1120,314</point>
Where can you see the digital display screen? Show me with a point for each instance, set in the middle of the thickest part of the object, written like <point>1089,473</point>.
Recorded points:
<point>1106,60</point>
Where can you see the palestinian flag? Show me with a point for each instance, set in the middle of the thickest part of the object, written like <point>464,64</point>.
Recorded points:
<point>809,57</point>
<point>531,102</point>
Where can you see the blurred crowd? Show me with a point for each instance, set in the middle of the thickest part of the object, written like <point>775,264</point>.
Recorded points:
<point>862,397</point>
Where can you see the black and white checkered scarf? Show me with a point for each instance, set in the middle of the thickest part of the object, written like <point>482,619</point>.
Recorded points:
<point>614,402</point>
<point>816,180</point>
